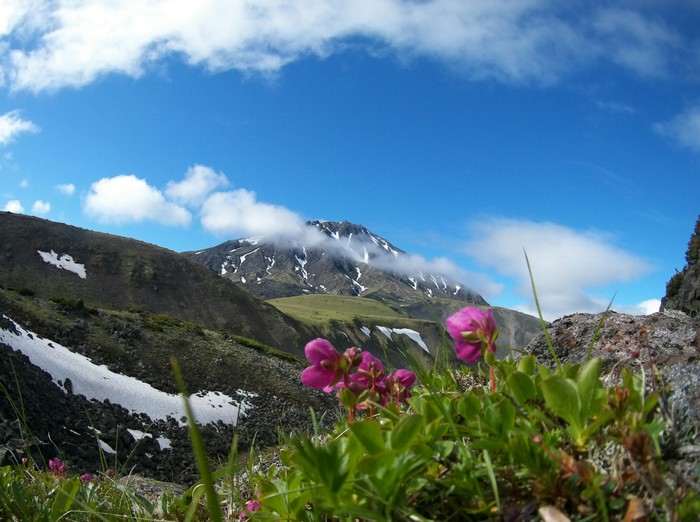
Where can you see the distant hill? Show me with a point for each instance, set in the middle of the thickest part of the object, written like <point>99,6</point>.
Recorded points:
<point>53,261</point>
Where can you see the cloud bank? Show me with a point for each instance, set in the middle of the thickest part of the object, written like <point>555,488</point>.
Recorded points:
<point>567,265</point>
<point>51,44</point>
<point>237,213</point>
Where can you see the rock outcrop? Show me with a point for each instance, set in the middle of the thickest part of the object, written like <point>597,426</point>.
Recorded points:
<point>683,289</point>
<point>665,346</point>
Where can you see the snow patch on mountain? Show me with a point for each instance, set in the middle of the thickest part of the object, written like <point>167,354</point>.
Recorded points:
<point>97,382</point>
<point>411,334</point>
<point>65,262</point>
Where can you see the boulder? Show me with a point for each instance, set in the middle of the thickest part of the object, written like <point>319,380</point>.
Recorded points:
<point>664,345</point>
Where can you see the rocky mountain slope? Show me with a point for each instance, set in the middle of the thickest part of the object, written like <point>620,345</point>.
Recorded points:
<point>347,259</point>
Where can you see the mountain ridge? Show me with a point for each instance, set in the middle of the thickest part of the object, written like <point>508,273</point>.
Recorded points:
<point>344,259</point>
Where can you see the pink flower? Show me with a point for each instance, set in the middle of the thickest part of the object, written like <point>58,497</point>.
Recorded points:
<point>398,384</point>
<point>329,369</point>
<point>251,506</point>
<point>86,477</point>
<point>57,467</point>
<point>474,330</point>
<point>326,365</point>
<point>370,372</point>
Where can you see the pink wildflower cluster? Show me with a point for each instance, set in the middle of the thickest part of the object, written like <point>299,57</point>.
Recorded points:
<point>358,377</point>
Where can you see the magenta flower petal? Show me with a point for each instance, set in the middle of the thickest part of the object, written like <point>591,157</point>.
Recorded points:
<point>319,350</point>
<point>466,320</point>
<point>472,328</point>
<point>316,377</point>
<point>405,377</point>
<point>468,352</point>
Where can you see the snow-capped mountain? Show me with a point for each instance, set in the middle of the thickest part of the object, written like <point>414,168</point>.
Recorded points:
<point>343,259</point>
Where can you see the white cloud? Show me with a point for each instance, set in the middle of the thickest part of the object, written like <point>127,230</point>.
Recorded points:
<point>239,212</point>
<point>67,189</point>
<point>41,207</point>
<point>640,43</point>
<point>199,182</point>
<point>11,125</point>
<point>649,306</point>
<point>75,43</point>
<point>128,199</point>
<point>14,206</point>
<point>684,128</point>
<point>567,264</point>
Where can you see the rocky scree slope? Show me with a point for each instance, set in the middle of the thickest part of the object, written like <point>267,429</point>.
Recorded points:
<point>47,414</point>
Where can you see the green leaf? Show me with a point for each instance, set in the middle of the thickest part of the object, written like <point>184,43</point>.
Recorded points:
<point>527,364</point>
<point>544,372</point>
<point>369,434</point>
<point>588,385</point>
<point>561,396</point>
<point>468,406</point>
<point>64,498</point>
<point>406,430</point>
<point>522,387</point>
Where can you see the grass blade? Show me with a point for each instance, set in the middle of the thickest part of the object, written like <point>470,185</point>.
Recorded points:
<point>539,313</point>
<point>200,454</point>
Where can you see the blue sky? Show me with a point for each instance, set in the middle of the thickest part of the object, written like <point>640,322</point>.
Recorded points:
<point>461,131</point>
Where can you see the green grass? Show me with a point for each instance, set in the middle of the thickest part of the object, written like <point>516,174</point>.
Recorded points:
<point>321,308</point>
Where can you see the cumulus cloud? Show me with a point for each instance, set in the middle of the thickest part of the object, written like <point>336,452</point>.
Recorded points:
<point>649,306</point>
<point>67,189</point>
<point>199,182</point>
<point>40,207</point>
<point>684,128</point>
<point>238,212</point>
<point>14,206</point>
<point>128,199</point>
<point>11,125</point>
<point>74,43</point>
<point>567,264</point>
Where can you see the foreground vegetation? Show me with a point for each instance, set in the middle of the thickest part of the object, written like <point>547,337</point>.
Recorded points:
<point>502,440</point>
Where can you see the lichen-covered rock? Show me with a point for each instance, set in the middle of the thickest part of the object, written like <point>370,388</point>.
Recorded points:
<point>683,289</point>
<point>665,345</point>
